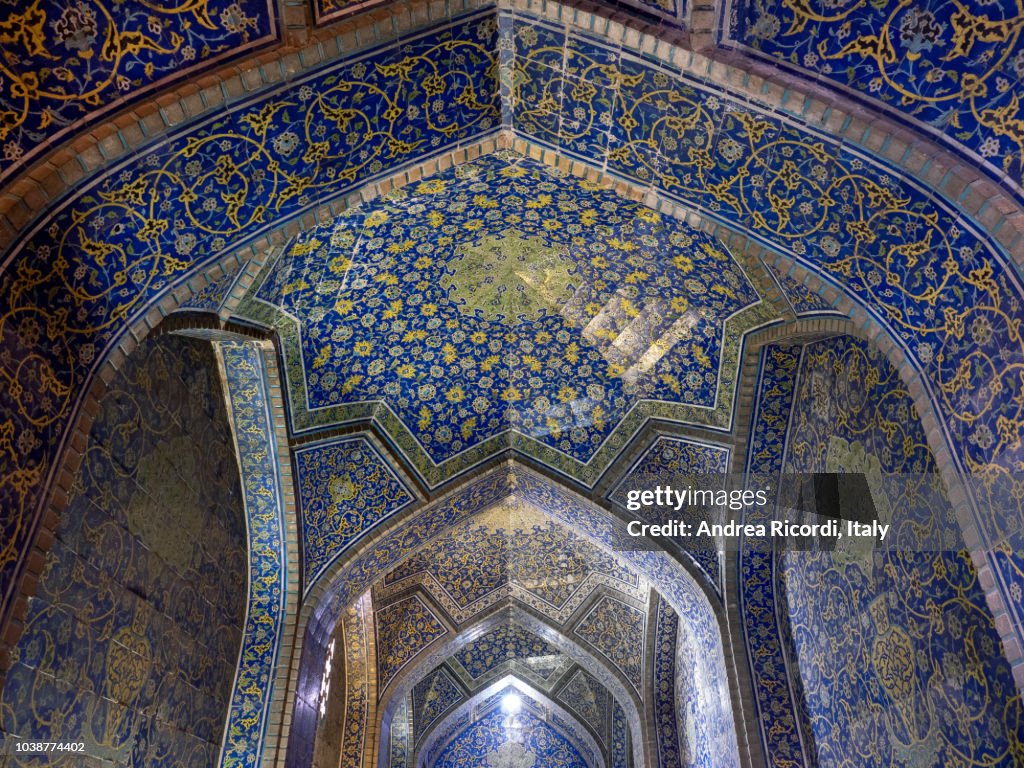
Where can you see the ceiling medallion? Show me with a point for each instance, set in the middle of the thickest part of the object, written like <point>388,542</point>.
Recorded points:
<point>511,277</point>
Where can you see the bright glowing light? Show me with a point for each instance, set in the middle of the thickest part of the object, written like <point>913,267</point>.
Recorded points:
<point>511,704</point>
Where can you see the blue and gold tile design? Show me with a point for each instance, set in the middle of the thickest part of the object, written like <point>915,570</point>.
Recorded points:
<point>432,697</point>
<point>502,296</point>
<point>211,297</point>
<point>922,271</point>
<point>905,634</point>
<point>675,585</point>
<point>403,629</point>
<point>65,64</point>
<point>953,69</point>
<point>800,297</point>
<point>131,641</point>
<point>128,235</point>
<point>680,463</point>
<point>486,741</point>
<point>590,700</point>
<point>345,489</point>
<point>667,719</point>
<point>507,642</point>
<point>401,740</point>
<point>253,427</point>
<point>356,628</point>
<point>621,754</point>
<point>782,723</point>
<point>518,552</point>
<point>616,629</point>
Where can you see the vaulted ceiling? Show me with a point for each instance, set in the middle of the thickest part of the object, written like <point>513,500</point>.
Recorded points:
<point>466,285</point>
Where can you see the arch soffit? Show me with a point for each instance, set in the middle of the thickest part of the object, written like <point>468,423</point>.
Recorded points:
<point>690,596</point>
<point>438,737</point>
<point>430,657</point>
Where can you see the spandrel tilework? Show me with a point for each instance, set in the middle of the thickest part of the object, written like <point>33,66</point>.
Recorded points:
<point>681,464</point>
<point>432,697</point>
<point>590,700</point>
<point>616,629</point>
<point>345,488</point>
<point>403,629</point>
<point>517,552</point>
<point>66,64</point>
<point>131,641</point>
<point>953,68</point>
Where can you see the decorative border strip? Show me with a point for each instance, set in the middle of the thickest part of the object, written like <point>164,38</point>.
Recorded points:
<point>781,734</point>
<point>253,426</point>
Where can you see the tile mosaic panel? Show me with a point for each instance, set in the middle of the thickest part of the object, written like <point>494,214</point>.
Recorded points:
<point>138,229</point>
<point>253,428</point>
<point>486,742</point>
<point>781,721</point>
<point>66,64</point>
<point>506,642</point>
<point>345,489</point>
<point>501,295</point>
<point>941,290</point>
<point>617,630</point>
<point>403,629</point>
<point>681,463</point>
<point>131,641</point>
<point>517,552</point>
<point>906,635</point>
<point>585,696</point>
<point>952,69</point>
<point>431,698</point>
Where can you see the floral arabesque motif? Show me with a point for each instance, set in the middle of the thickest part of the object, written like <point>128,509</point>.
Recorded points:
<point>128,236</point>
<point>345,489</point>
<point>404,628</point>
<point>249,406</point>
<point>922,271</point>
<point>909,629</point>
<point>681,463</point>
<point>953,67</point>
<point>66,63</point>
<point>480,744</point>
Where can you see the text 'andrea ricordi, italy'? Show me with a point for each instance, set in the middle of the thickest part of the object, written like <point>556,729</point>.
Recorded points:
<point>655,503</point>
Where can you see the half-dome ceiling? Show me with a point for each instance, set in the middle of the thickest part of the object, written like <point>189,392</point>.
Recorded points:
<point>512,551</point>
<point>503,297</point>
